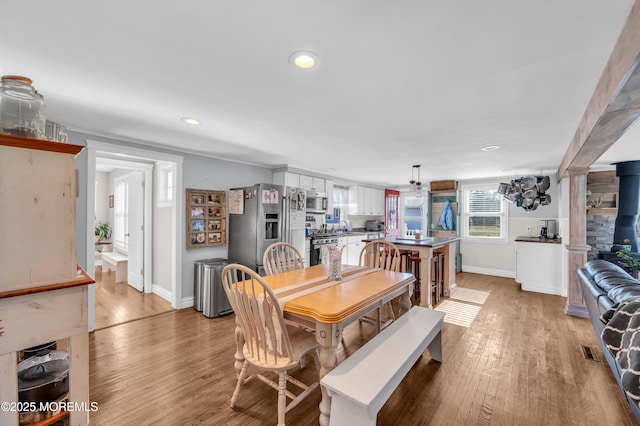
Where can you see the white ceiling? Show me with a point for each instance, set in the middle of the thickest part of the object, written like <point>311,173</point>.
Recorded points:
<point>400,82</point>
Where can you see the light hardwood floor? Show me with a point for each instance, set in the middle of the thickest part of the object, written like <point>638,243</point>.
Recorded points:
<point>519,363</point>
<point>117,303</point>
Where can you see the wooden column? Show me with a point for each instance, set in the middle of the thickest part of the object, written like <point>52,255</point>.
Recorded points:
<point>577,246</point>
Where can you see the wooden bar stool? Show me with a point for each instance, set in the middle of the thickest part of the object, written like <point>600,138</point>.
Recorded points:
<point>405,264</point>
<point>437,276</point>
<point>414,267</point>
<point>434,279</point>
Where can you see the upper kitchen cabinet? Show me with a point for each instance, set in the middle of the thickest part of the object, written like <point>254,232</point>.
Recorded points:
<point>291,180</point>
<point>328,184</point>
<point>296,180</point>
<point>312,183</point>
<point>366,201</point>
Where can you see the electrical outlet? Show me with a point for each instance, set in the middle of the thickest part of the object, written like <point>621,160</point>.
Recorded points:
<point>528,229</point>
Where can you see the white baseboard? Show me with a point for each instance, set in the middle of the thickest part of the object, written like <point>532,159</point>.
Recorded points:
<point>545,289</point>
<point>162,292</point>
<point>187,302</point>
<point>489,271</point>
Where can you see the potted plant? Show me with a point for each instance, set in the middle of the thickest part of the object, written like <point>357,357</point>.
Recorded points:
<point>628,261</point>
<point>103,232</point>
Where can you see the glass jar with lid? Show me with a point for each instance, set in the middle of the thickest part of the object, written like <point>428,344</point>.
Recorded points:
<point>22,108</point>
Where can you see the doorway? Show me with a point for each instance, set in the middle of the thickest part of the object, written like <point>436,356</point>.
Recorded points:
<point>137,168</point>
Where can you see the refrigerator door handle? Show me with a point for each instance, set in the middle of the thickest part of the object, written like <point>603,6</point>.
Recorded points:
<point>285,218</point>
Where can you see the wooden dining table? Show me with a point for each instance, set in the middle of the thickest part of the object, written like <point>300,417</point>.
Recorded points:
<point>327,306</point>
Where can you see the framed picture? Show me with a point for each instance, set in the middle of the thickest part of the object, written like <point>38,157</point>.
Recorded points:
<point>198,239</point>
<point>215,237</point>
<point>197,212</point>
<point>197,198</point>
<point>206,218</point>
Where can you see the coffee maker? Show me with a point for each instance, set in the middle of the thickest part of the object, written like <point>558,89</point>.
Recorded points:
<point>548,229</point>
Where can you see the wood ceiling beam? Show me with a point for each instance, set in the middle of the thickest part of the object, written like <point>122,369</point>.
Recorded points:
<point>614,105</point>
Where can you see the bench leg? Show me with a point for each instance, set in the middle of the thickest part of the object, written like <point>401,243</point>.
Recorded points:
<point>345,412</point>
<point>435,347</point>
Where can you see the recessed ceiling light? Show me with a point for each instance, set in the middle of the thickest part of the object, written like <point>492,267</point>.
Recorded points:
<point>190,120</point>
<point>304,60</point>
<point>490,147</point>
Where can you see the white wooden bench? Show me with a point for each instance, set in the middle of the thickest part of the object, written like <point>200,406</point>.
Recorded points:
<point>361,384</point>
<point>114,261</point>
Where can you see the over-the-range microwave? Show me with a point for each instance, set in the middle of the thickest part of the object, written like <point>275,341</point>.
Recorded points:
<point>316,202</point>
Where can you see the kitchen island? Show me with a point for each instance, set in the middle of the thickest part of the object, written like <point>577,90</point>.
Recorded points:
<point>425,247</point>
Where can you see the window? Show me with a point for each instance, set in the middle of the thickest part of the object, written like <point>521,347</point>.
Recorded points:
<point>165,184</point>
<point>484,214</point>
<point>121,215</point>
<point>412,218</point>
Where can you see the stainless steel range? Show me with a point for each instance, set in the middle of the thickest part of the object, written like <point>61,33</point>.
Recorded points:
<point>318,251</point>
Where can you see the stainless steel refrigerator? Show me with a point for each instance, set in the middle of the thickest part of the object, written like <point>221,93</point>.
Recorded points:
<point>269,214</point>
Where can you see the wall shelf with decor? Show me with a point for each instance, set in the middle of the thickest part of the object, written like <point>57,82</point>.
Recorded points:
<point>602,198</point>
<point>206,218</point>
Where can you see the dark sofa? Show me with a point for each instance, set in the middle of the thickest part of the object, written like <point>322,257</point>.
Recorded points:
<point>605,286</point>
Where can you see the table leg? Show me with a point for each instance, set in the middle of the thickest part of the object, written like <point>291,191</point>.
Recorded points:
<point>449,268</point>
<point>329,337</point>
<point>425,276</point>
<point>404,301</point>
<point>239,355</point>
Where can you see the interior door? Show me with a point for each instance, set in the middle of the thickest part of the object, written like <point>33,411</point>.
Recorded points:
<point>391,216</point>
<point>135,269</point>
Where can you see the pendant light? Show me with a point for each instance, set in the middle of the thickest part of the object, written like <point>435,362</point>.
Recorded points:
<point>416,185</point>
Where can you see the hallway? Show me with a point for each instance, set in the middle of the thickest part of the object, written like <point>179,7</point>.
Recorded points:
<point>118,303</point>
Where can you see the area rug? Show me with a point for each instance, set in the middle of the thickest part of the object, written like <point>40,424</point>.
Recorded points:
<point>458,313</point>
<point>470,295</point>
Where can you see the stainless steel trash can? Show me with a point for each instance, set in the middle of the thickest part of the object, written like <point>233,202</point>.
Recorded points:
<point>214,299</point>
<point>199,280</point>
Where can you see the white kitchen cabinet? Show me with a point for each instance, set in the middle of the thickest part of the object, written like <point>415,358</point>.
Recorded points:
<point>306,182</point>
<point>296,180</point>
<point>328,184</point>
<point>354,246</point>
<point>539,267</point>
<point>287,179</point>
<point>373,201</point>
<point>345,251</point>
<point>366,201</point>
<point>312,183</point>
<point>319,185</point>
<point>356,200</point>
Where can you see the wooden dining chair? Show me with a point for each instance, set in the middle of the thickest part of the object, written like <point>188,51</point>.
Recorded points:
<point>281,257</point>
<point>270,345</point>
<point>384,255</point>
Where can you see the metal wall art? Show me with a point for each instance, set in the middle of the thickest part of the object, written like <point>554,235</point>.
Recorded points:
<point>527,192</point>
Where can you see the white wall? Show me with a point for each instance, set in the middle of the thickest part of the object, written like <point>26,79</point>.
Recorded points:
<point>102,199</point>
<point>499,258</point>
<point>161,242</point>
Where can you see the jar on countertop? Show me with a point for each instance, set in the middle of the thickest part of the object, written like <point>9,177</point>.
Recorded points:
<point>22,108</point>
